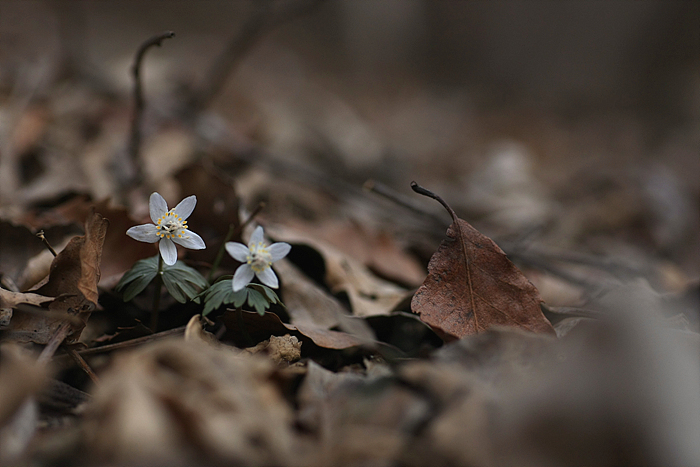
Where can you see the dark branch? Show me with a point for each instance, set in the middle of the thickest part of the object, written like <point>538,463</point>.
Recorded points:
<point>139,102</point>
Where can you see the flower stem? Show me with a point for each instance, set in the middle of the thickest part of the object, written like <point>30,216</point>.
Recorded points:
<point>232,230</point>
<point>220,255</point>
<point>156,296</point>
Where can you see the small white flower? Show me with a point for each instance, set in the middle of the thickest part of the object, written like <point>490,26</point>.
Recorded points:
<point>168,227</point>
<point>257,258</point>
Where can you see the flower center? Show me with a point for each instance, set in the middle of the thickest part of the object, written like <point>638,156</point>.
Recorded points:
<point>259,257</point>
<point>170,225</point>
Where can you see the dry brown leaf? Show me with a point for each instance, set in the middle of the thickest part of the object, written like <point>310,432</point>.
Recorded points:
<point>306,302</point>
<point>119,251</point>
<point>260,327</point>
<point>76,269</point>
<point>73,282</point>
<point>358,419</point>
<point>377,250</point>
<point>369,295</point>
<point>187,403</point>
<point>12,299</point>
<point>472,285</point>
<point>315,310</point>
<point>195,332</point>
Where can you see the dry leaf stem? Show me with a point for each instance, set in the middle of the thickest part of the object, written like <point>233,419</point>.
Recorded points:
<point>46,243</point>
<point>400,199</point>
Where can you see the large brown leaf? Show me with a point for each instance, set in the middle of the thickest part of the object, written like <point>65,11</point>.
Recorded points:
<point>76,269</point>
<point>472,285</point>
<point>72,280</point>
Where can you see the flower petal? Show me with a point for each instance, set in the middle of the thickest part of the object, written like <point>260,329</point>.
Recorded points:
<point>194,242</point>
<point>144,233</point>
<point>279,250</point>
<point>257,236</point>
<point>157,206</point>
<point>185,207</point>
<point>168,251</point>
<point>238,251</point>
<point>267,276</point>
<point>244,274</point>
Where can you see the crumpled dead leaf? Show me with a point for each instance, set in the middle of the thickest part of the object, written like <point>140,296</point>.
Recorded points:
<point>76,269</point>
<point>186,403</point>
<point>119,251</point>
<point>472,285</point>
<point>73,282</point>
<point>313,310</point>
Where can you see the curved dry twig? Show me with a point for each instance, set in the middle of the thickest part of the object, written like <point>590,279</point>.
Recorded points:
<point>139,101</point>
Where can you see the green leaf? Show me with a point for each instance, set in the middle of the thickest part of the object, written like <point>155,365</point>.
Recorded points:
<point>221,292</point>
<point>182,281</point>
<point>258,301</point>
<point>136,287</point>
<point>270,294</point>
<point>136,279</point>
<point>171,286</point>
<point>239,297</point>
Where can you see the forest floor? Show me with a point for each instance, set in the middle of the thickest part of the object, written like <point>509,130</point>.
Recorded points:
<point>532,299</point>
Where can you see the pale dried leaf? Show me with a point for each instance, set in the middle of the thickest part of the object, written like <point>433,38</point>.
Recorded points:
<point>12,299</point>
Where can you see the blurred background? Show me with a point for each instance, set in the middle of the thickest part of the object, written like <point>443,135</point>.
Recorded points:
<point>577,120</point>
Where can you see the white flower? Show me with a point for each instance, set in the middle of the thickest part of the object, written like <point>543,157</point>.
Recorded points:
<point>168,227</point>
<point>257,258</point>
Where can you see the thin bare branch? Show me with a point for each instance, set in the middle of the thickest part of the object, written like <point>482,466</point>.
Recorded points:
<point>82,364</point>
<point>139,102</point>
